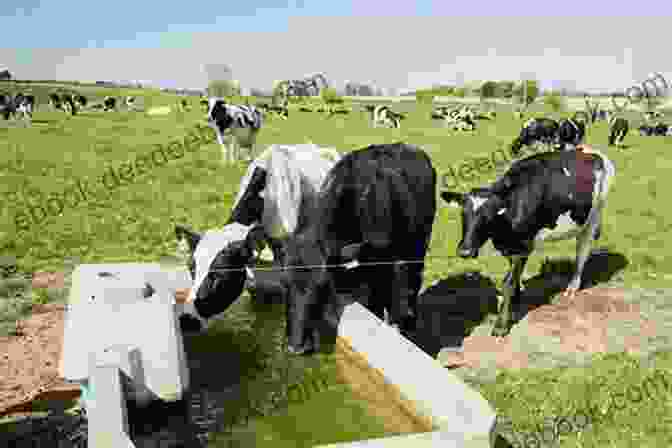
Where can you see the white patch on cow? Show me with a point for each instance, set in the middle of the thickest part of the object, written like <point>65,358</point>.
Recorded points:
<point>477,201</point>
<point>212,242</point>
<point>566,171</point>
<point>501,211</point>
<point>295,174</point>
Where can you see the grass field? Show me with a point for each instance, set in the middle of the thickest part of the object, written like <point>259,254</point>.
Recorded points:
<point>135,222</point>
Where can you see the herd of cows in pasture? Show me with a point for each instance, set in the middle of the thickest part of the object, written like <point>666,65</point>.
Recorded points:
<point>365,217</point>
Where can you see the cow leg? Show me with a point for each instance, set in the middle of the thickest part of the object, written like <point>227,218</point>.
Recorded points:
<point>583,246</point>
<point>510,291</point>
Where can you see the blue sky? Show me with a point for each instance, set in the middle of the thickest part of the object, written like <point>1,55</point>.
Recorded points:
<point>588,44</point>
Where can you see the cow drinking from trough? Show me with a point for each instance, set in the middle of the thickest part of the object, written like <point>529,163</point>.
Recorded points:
<point>376,207</point>
<point>278,186</point>
<point>561,191</point>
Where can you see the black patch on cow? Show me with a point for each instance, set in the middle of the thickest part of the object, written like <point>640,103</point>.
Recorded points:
<point>380,203</point>
<point>250,208</point>
<point>535,191</point>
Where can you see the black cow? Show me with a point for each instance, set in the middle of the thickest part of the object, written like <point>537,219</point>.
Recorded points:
<point>563,191</point>
<point>618,129</point>
<point>377,204</point>
<point>536,130</point>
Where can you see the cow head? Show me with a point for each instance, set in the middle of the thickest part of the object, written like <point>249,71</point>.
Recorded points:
<point>250,207</point>
<point>313,307</point>
<point>217,260</point>
<point>480,211</point>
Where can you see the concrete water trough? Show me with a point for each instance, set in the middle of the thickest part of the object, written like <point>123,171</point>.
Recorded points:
<point>458,415</point>
<point>122,342</point>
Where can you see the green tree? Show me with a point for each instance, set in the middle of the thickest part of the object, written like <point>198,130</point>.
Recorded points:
<point>460,92</point>
<point>488,89</point>
<point>223,88</point>
<point>529,88</point>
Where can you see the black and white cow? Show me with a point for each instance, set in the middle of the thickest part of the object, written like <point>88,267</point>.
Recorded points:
<point>376,207</point>
<point>543,198</point>
<point>382,115</point>
<point>24,105</point>
<point>660,129</point>
<point>55,102</point>
<point>277,188</point>
<point>68,103</point>
<point>242,121</point>
<point>21,105</point>
<point>80,100</point>
<point>534,131</point>
<point>130,102</point>
<point>618,129</point>
<point>109,103</point>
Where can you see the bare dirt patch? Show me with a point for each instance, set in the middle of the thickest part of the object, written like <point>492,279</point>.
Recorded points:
<point>588,324</point>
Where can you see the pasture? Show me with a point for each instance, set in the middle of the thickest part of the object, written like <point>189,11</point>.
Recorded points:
<point>134,222</point>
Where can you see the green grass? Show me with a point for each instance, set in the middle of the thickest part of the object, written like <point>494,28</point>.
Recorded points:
<point>135,222</point>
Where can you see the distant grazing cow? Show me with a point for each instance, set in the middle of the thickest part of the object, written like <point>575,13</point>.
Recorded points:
<point>109,103</point>
<point>80,100</point>
<point>69,104</point>
<point>243,122</point>
<point>534,131</point>
<point>6,106</point>
<point>278,187</point>
<point>278,110</point>
<point>55,102</point>
<point>546,197</point>
<point>660,129</point>
<point>653,115</point>
<point>618,129</point>
<point>384,116</point>
<point>21,105</point>
<point>130,102</point>
<point>24,105</point>
<point>377,205</point>
<point>183,105</point>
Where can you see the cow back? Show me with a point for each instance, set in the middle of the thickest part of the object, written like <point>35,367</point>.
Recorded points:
<point>383,194</point>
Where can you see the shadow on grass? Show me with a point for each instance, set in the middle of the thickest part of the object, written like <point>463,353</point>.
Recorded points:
<point>452,307</point>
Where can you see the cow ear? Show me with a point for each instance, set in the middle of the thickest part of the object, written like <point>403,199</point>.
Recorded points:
<point>351,251</point>
<point>192,238</point>
<point>453,198</point>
